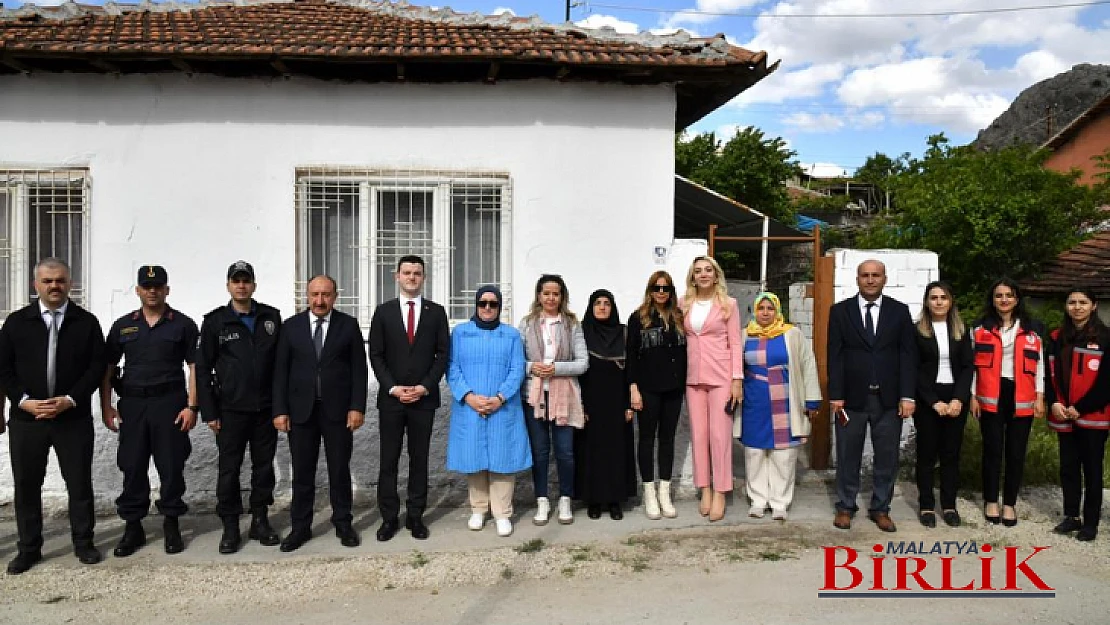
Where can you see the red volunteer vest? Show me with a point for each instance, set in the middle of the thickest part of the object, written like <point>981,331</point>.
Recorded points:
<point>988,369</point>
<point>1085,361</point>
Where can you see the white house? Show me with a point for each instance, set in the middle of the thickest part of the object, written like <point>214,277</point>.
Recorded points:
<point>333,136</point>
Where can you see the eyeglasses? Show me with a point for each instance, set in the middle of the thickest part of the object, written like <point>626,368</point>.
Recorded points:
<point>485,303</point>
<point>662,288</point>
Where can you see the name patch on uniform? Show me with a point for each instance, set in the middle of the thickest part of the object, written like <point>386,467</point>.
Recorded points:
<point>270,327</point>
<point>230,336</point>
<point>1029,339</point>
<point>1092,364</point>
<point>128,330</point>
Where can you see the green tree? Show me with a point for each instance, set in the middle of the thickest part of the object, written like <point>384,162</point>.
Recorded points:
<point>879,170</point>
<point>986,214</point>
<point>749,168</point>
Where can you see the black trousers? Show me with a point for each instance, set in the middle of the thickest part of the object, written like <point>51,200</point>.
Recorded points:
<point>304,446</point>
<point>394,423</point>
<point>886,432</point>
<point>659,417</point>
<point>237,431</point>
<point>30,443</point>
<point>148,431</point>
<point>938,438</point>
<point>1003,433</point>
<point>1081,454</point>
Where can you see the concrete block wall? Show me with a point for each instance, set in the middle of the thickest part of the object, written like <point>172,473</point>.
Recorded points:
<point>801,307</point>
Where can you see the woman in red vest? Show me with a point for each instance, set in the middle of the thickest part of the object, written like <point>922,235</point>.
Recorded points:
<point>1078,394</point>
<point>1008,392</point>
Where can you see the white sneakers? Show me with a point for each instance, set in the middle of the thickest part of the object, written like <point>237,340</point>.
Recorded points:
<point>778,515</point>
<point>543,511</point>
<point>665,503</point>
<point>651,504</point>
<point>504,527</point>
<point>477,520</point>
<point>566,515</point>
<point>756,511</point>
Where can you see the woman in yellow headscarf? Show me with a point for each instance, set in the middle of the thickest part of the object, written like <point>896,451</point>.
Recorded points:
<point>781,395</point>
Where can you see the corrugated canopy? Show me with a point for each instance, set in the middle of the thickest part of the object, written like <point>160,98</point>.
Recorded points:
<point>696,207</point>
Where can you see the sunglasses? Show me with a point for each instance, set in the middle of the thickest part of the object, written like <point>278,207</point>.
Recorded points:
<point>662,288</point>
<point>484,303</point>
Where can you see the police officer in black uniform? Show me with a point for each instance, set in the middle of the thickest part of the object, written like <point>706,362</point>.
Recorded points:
<point>157,407</point>
<point>235,367</point>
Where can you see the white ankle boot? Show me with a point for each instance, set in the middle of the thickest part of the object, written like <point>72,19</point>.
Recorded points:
<point>566,514</point>
<point>665,503</point>
<point>543,511</point>
<point>651,503</point>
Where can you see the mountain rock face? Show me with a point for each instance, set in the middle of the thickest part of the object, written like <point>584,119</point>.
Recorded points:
<point>1047,107</point>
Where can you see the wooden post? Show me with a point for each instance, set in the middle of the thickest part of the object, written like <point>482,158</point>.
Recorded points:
<point>712,238</point>
<point>819,442</point>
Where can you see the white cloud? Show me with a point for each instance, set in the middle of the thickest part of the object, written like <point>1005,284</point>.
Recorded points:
<point>1037,65</point>
<point>503,10</point>
<point>810,122</point>
<point>601,21</point>
<point>804,83</point>
<point>725,132</point>
<point>705,11</point>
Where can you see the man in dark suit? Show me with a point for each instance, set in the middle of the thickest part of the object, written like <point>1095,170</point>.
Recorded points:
<point>409,346</point>
<point>51,361</point>
<point>872,366</point>
<point>320,379</point>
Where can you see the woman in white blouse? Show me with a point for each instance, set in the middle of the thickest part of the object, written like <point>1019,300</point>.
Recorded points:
<point>944,373</point>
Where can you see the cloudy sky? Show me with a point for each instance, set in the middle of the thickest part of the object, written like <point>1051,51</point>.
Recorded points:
<point>860,76</point>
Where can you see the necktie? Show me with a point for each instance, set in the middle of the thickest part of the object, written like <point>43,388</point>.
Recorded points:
<point>410,325</point>
<point>318,336</point>
<point>52,353</point>
<point>869,321</point>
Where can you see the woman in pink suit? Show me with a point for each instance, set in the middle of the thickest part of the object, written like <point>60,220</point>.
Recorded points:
<point>714,380</point>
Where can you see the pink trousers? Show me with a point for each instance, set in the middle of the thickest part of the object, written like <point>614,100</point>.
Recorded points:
<point>710,436</point>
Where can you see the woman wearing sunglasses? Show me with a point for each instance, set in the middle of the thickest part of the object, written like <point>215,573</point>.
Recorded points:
<point>487,439</point>
<point>656,357</point>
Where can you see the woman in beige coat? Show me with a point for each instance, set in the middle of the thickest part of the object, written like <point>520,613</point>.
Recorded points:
<point>781,396</point>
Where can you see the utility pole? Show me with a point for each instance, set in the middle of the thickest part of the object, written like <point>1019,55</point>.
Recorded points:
<point>569,2</point>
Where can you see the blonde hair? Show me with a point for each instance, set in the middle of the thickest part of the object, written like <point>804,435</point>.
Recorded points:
<point>720,293</point>
<point>671,313</point>
<point>564,299</point>
<point>925,319</point>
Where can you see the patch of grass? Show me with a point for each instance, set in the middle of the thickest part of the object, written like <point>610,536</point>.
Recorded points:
<point>735,556</point>
<point>418,559</point>
<point>532,546</point>
<point>506,573</point>
<point>390,587</point>
<point>580,554</point>
<point>568,571</point>
<point>770,556</point>
<point>639,566</point>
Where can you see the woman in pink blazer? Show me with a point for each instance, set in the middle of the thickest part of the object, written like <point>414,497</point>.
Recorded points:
<point>714,380</point>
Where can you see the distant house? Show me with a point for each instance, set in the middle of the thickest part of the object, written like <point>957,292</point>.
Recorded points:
<point>1086,137</point>
<point>334,136</point>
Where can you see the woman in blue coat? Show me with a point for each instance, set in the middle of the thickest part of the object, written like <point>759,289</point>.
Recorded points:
<point>487,439</point>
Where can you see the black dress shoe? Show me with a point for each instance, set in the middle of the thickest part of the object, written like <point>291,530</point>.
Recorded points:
<point>133,538</point>
<point>388,530</point>
<point>295,540</point>
<point>1068,525</point>
<point>23,562</point>
<point>928,518</point>
<point>418,529</point>
<point>87,554</point>
<point>951,518</point>
<point>1087,534</point>
<point>615,512</point>
<point>593,510</point>
<point>171,536</point>
<point>348,537</point>
<point>229,542</point>
<point>261,531</point>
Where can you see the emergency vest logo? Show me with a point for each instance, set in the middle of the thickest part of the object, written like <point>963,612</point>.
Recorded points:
<point>922,569</point>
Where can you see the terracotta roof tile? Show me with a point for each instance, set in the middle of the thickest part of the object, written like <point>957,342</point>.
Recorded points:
<point>352,28</point>
<point>1086,264</point>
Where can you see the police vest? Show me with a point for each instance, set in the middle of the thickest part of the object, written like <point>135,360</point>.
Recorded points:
<point>1085,361</point>
<point>988,369</point>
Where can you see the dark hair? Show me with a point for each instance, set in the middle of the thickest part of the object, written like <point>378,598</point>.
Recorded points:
<point>1019,314</point>
<point>410,258</point>
<point>334,284</point>
<point>1094,328</point>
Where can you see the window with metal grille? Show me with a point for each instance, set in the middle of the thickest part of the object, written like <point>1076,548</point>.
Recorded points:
<point>43,213</point>
<point>355,224</point>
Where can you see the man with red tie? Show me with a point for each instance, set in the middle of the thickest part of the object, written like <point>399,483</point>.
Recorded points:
<point>409,346</point>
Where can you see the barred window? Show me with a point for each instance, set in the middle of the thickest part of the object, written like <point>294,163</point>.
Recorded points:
<point>43,213</point>
<point>356,224</point>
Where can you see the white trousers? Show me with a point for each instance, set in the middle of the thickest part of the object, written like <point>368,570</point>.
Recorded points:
<point>492,492</point>
<point>770,476</point>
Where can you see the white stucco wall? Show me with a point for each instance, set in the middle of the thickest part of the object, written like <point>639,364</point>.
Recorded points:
<point>196,172</point>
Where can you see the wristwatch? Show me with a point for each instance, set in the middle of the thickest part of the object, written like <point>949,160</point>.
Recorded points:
<point>195,409</point>
<point>501,398</point>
